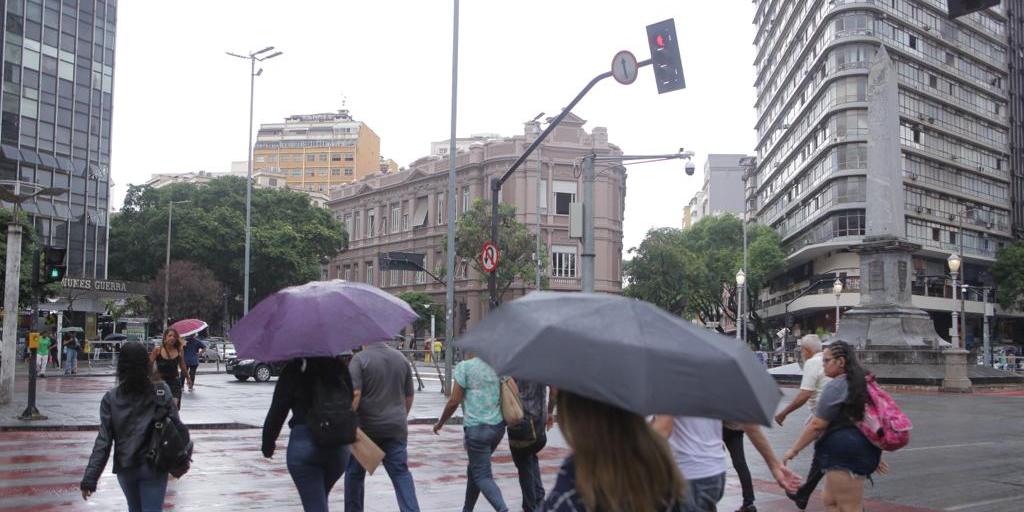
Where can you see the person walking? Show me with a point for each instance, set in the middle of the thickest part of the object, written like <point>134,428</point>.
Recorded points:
<point>811,385</point>
<point>193,349</point>
<point>70,354</point>
<point>43,353</point>
<point>383,395</point>
<point>314,468</point>
<point>732,436</point>
<point>126,413</point>
<point>526,439</point>
<point>696,444</point>
<point>618,462</point>
<point>168,360</point>
<point>843,453</point>
<point>477,388</point>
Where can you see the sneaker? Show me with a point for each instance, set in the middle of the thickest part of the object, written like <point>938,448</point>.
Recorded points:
<point>42,375</point>
<point>747,508</point>
<point>801,503</point>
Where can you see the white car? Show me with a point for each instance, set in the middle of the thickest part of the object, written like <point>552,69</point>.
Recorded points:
<point>219,351</point>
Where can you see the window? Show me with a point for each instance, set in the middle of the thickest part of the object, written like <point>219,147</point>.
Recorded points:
<point>311,157</point>
<point>950,59</point>
<point>348,171</point>
<point>465,199</point>
<point>336,157</point>
<point>913,42</point>
<point>420,212</point>
<point>347,273</point>
<point>933,81</point>
<point>565,193</point>
<point>442,205</point>
<point>369,273</point>
<point>323,157</point>
<point>349,224</point>
<point>405,222</point>
<point>563,261</point>
<point>396,217</point>
<point>952,237</point>
<point>336,172</point>
<point>371,219</point>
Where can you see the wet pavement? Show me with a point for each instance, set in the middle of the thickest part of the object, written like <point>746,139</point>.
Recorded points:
<point>964,454</point>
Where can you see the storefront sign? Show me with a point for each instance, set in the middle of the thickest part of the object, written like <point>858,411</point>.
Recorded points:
<point>101,285</point>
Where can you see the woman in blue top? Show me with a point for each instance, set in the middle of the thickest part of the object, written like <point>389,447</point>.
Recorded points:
<point>478,389</point>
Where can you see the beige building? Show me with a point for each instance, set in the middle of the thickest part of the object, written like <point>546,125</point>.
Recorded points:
<point>405,211</point>
<point>261,179</point>
<point>318,152</point>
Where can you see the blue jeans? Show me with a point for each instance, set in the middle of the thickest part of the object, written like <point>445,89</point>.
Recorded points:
<point>480,442</point>
<point>70,360</point>
<point>143,487</point>
<point>528,467</point>
<point>314,469</point>
<point>703,494</point>
<point>396,462</point>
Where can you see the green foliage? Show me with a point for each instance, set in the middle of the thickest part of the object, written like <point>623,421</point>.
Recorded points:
<point>1008,272</point>
<point>516,244</point>
<point>194,292</point>
<point>290,237</point>
<point>28,241</point>
<point>423,305</point>
<point>687,271</point>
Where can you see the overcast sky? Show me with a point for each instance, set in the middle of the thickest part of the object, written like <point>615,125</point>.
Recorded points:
<point>181,104</point>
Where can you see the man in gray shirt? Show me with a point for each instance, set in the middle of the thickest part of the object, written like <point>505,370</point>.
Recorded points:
<point>383,393</point>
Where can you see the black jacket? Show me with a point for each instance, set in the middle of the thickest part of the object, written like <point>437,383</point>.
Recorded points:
<point>293,393</point>
<point>124,422</point>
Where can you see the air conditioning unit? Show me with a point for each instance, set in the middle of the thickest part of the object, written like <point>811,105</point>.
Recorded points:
<point>954,158</point>
<point>913,177</point>
<point>920,209</point>
<point>931,119</point>
<point>926,27</point>
<point>981,168</point>
<point>921,116</point>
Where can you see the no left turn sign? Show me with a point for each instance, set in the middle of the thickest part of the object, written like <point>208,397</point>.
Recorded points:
<point>489,257</point>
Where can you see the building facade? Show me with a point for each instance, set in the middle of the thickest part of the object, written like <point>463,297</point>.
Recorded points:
<point>406,211</point>
<point>1015,21</point>
<point>260,179</point>
<point>55,124</point>
<point>318,152</point>
<point>722,191</point>
<point>825,132</point>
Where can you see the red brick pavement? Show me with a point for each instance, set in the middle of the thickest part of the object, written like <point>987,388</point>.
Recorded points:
<point>40,471</point>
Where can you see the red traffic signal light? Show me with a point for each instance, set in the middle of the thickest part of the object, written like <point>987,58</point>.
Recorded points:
<point>659,40</point>
<point>668,67</point>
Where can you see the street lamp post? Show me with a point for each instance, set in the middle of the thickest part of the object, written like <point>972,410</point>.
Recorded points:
<point>954,268</point>
<point>167,264</point>
<point>741,279</point>
<point>837,288</point>
<point>749,164</point>
<point>253,57</point>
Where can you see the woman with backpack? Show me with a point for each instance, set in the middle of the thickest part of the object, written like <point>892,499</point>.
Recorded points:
<point>318,393</point>
<point>846,456</point>
<point>127,413</point>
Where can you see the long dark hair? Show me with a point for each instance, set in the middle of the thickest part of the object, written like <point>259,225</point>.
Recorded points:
<point>134,373</point>
<point>604,438</point>
<point>177,337</point>
<point>857,386</point>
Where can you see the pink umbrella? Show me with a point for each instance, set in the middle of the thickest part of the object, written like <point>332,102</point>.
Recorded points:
<point>189,326</point>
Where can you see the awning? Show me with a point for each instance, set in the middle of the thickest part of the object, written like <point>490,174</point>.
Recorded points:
<point>64,163</point>
<point>10,152</point>
<point>49,161</point>
<point>30,157</point>
<point>419,217</point>
<point>564,187</point>
<point>63,211</point>
<point>45,207</point>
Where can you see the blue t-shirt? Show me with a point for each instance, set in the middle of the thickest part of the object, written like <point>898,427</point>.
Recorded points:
<point>481,404</point>
<point>191,352</point>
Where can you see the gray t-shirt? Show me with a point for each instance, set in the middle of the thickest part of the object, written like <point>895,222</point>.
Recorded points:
<point>533,397</point>
<point>383,377</point>
<point>830,403</point>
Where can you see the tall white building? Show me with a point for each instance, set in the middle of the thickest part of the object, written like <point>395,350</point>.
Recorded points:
<point>880,117</point>
<point>722,191</point>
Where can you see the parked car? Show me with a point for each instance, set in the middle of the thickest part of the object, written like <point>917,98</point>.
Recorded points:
<point>218,350</point>
<point>242,369</point>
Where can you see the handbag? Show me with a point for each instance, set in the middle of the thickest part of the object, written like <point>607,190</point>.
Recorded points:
<point>511,405</point>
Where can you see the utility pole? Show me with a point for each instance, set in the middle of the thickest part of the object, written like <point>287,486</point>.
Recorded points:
<point>449,296</point>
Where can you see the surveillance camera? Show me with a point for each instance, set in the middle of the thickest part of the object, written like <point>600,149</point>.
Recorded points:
<point>690,168</point>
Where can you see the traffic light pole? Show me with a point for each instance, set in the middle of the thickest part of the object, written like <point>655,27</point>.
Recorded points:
<point>31,412</point>
<point>496,183</point>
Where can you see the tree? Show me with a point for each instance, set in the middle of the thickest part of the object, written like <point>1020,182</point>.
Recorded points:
<point>516,244</point>
<point>194,292</point>
<point>29,238</point>
<point>687,272</point>
<point>423,305</point>
<point>290,236</point>
<point>1008,272</point>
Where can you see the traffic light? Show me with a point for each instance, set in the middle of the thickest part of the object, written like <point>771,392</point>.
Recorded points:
<point>463,316</point>
<point>53,267</point>
<point>957,8</point>
<point>668,67</point>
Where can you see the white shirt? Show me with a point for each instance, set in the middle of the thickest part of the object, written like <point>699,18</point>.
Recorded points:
<point>814,379</point>
<point>697,447</point>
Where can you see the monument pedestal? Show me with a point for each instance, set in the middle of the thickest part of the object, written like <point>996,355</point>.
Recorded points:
<point>956,380</point>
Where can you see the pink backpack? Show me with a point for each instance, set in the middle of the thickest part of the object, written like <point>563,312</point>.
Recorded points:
<point>884,424</point>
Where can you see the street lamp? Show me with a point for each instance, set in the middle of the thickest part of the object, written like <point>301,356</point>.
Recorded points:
<point>837,288</point>
<point>741,279</point>
<point>954,267</point>
<point>749,164</point>
<point>253,57</point>
<point>167,265</point>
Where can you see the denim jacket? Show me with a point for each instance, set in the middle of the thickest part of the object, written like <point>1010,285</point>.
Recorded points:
<point>124,422</point>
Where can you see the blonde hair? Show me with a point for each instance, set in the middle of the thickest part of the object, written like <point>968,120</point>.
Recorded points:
<point>622,464</point>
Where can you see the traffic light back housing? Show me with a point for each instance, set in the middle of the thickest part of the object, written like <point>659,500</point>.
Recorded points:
<point>53,265</point>
<point>668,66</point>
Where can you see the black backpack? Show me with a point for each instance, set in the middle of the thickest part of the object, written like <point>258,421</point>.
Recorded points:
<point>330,417</point>
<point>168,447</point>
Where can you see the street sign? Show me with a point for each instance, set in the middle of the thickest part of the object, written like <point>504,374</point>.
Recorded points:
<point>624,67</point>
<point>489,257</point>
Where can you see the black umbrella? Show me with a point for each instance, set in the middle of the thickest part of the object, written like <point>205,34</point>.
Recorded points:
<point>115,337</point>
<point>627,353</point>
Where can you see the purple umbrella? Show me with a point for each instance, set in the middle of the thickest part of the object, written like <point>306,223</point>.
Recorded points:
<point>321,318</point>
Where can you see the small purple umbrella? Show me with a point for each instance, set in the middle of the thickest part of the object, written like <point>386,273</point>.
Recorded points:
<point>321,318</point>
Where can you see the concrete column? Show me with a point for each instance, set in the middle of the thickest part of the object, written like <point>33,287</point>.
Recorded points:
<point>10,332</point>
